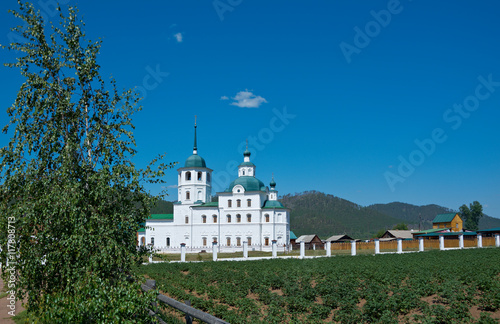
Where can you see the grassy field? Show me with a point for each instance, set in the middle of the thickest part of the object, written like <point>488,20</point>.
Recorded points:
<point>458,286</point>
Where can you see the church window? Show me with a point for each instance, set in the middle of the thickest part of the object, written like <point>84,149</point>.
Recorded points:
<point>188,195</point>
<point>249,240</point>
<point>214,239</point>
<point>188,175</point>
<point>186,220</point>
<point>204,241</point>
<point>267,218</point>
<point>229,203</point>
<point>249,202</point>
<point>152,241</point>
<point>215,218</point>
<point>266,241</point>
<point>249,218</point>
<point>238,241</point>
<point>228,218</point>
<point>199,176</point>
<point>238,218</point>
<point>143,241</point>
<point>243,172</point>
<point>204,219</point>
<point>168,241</point>
<point>228,241</point>
<point>238,203</point>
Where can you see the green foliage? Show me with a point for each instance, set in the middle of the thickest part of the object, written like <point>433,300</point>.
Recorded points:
<point>401,227</point>
<point>472,215</point>
<point>429,287</point>
<point>380,233</point>
<point>71,199</point>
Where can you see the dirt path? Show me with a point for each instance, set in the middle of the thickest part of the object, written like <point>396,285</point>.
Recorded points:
<point>6,307</point>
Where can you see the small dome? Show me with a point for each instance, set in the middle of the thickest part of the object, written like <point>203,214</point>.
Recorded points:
<point>249,183</point>
<point>272,183</point>
<point>195,161</point>
<point>246,153</point>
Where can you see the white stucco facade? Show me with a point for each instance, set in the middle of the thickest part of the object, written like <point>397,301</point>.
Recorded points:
<point>247,211</point>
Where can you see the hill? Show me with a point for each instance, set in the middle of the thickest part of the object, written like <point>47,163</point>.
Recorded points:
<point>314,212</point>
<point>411,214</point>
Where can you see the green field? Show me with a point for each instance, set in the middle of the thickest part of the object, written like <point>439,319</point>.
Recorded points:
<point>459,286</point>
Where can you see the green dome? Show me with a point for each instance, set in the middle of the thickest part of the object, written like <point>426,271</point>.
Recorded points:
<point>195,161</point>
<point>249,183</point>
<point>273,183</point>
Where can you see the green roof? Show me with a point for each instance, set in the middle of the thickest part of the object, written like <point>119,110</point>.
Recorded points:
<point>444,218</point>
<point>448,234</point>
<point>249,183</point>
<point>141,229</point>
<point>273,204</point>
<point>195,161</point>
<point>210,204</point>
<point>247,164</point>
<point>162,216</point>
<point>490,230</point>
<point>293,236</point>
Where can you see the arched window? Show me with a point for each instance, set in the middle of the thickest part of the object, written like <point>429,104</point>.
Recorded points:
<point>243,172</point>
<point>229,203</point>
<point>204,219</point>
<point>238,203</point>
<point>204,241</point>
<point>249,202</point>
<point>228,218</point>
<point>186,220</point>
<point>168,241</point>
<point>214,218</point>
<point>266,241</point>
<point>228,241</point>
<point>267,218</point>
<point>238,241</point>
<point>199,176</point>
<point>214,239</point>
<point>249,240</point>
<point>143,241</point>
<point>249,218</point>
<point>238,218</point>
<point>152,241</point>
<point>188,175</point>
<point>188,195</point>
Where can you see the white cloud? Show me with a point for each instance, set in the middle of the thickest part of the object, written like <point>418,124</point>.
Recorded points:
<point>246,99</point>
<point>178,37</point>
<point>224,98</point>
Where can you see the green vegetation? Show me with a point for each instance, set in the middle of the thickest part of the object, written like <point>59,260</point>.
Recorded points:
<point>400,227</point>
<point>71,200</point>
<point>471,216</point>
<point>429,287</point>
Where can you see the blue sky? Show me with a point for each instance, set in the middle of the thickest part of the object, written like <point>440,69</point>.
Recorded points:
<point>371,101</point>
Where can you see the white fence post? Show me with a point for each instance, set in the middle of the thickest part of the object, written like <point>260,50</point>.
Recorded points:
<point>421,244</point>
<point>328,248</point>
<point>479,240</point>
<point>441,242</point>
<point>461,241</point>
<point>497,240</point>
<point>183,252</point>
<point>377,246</point>
<point>302,249</point>
<point>400,245</point>
<point>214,251</point>
<point>245,249</point>
<point>353,247</point>
<point>274,248</point>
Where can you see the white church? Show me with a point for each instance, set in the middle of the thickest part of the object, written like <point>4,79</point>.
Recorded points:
<point>247,211</point>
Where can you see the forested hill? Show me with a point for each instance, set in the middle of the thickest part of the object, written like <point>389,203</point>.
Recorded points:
<point>314,212</point>
<point>411,214</point>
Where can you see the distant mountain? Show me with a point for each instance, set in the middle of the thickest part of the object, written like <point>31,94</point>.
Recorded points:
<point>314,212</point>
<point>411,214</point>
<point>163,207</point>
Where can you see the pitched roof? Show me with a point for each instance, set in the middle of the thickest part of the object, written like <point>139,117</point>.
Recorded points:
<point>490,230</point>
<point>209,204</point>
<point>306,238</point>
<point>273,204</point>
<point>432,230</point>
<point>162,216</point>
<point>293,236</point>
<point>444,218</point>
<point>448,234</point>
<point>400,234</point>
<point>335,238</point>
